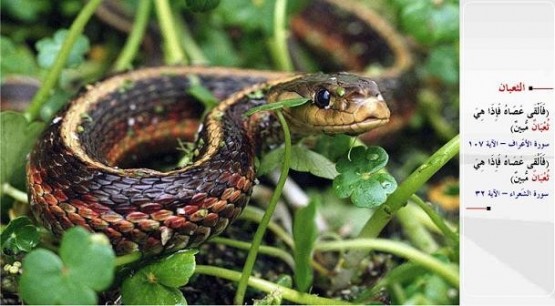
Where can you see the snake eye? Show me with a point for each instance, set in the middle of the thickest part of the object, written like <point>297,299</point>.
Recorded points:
<point>322,98</point>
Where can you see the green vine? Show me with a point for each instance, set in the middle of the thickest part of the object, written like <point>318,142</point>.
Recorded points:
<point>448,272</point>
<point>188,44</point>
<point>268,287</point>
<point>172,49</point>
<point>437,220</point>
<point>415,231</point>
<point>128,258</point>
<point>264,249</point>
<point>135,37</point>
<point>255,215</point>
<point>260,231</point>
<point>54,73</point>
<point>278,44</point>
<point>15,193</point>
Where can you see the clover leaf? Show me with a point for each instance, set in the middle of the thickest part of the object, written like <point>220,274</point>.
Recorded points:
<point>360,177</point>
<point>158,283</point>
<point>19,235</point>
<point>85,266</point>
<point>48,49</point>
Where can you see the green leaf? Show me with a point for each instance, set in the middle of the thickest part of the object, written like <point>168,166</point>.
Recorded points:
<point>157,283</point>
<point>277,105</point>
<point>84,254</point>
<point>48,49</point>
<point>218,47</point>
<point>202,5</point>
<point>361,177</point>
<point>305,160</point>
<point>18,137</point>
<point>285,281</point>
<point>45,281</point>
<point>270,161</point>
<point>175,270</point>
<point>201,93</point>
<point>25,10</point>
<point>363,160</point>
<point>16,59</point>
<point>70,8</point>
<point>20,235</point>
<point>443,63</point>
<point>85,265</point>
<point>204,95</point>
<point>247,15</point>
<point>372,192</point>
<point>302,159</point>
<point>150,293</point>
<point>304,235</point>
<point>437,290</point>
<point>334,146</point>
<point>431,23</point>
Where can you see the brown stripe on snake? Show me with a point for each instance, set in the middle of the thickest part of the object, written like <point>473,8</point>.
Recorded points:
<point>75,173</point>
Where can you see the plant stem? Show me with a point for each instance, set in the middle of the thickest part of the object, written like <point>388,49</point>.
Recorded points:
<point>135,38</point>
<point>255,215</point>
<point>415,231</point>
<point>430,104</point>
<point>394,202</point>
<point>257,240</point>
<point>264,249</point>
<point>447,271</point>
<point>61,59</point>
<point>189,45</point>
<point>398,295</point>
<point>128,258</point>
<point>438,221</point>
<point>172,49</point>
<point>268,287</point>
<point>15,193</point>
<point>278,44</point>
<point>398,274</point>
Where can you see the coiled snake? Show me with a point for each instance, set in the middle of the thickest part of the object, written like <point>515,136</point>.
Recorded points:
<point>82,169</point>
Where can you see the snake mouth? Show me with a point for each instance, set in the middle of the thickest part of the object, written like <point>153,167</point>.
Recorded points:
<point>365,115</point>
<point>352,129</point>
<point>355,128</point>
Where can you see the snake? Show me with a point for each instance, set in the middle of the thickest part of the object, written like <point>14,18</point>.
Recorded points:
<point>85,169</point>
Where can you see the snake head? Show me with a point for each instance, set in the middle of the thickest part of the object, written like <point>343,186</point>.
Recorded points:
<point>341,103</point>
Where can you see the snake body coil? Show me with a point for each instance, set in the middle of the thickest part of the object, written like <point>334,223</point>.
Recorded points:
<point>84,169</point>
<point>81,170</point>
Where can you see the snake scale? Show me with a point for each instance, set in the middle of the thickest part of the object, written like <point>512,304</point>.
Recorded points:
<point>83,169</point>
